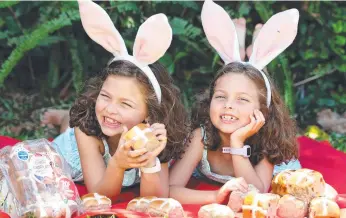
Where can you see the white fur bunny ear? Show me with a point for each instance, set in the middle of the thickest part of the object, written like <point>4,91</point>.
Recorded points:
<point>220,31</point>
<point>153,39</point>
<point>100,28</point>
<point>275,36</point>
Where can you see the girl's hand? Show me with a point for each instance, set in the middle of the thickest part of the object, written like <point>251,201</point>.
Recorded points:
<point>238,137</point>
<point>232,185</point>
<point>159,130</point>
<point>125,158</point>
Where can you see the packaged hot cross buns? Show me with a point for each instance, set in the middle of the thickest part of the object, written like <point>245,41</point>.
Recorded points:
<point>215,211</point>
<point>94,201</point>
<point>303,183</point>
<point>142,136</point>
<point>40,180</point>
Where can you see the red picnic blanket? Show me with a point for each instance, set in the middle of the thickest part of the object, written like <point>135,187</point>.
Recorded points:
<point>319,156</point>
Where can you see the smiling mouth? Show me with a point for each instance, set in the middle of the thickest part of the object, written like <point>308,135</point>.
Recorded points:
<point>111,122</point>
<point>228,118</point>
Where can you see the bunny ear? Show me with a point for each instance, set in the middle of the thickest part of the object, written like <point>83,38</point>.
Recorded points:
<point>100,28</point>
<point>220,31</point>
<point>275,36</point>
<point>153,39</point>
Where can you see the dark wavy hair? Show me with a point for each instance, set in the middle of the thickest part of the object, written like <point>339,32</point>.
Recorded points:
<point>276,140</point>
<point>170,112</point>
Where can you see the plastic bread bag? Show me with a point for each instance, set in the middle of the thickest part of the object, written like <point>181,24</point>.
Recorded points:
<point>40,180</point>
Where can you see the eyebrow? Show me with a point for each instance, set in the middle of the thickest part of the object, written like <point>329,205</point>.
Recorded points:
<point>241,93</point>
<point>123,99</point>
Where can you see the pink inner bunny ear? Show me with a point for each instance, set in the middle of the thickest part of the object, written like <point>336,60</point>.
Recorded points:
<point>220,31</point>
<point>153,39</point>
<point>100,28</point>
<point>274,37</point>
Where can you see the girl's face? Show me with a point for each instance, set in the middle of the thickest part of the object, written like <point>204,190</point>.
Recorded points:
<point>235,98</point>
<point>121,102</point>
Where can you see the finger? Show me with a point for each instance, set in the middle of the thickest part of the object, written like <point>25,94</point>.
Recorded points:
<point>224,191</point>
<point>122,140</point>
<point>252,123</point>
<point>259,121</point>
<point>237,184</point>
<point>139,164</point>
<point>241,187</point>
<point>162,138</point>
<point>259,116</point>
<point>127,146</point>
<point>158,132</point>
<point>242,182</point>
<point>137,153</point>
<point>158,150</point>
<point>144,157</point>
<point>157,126</point>
<point>262,116</point>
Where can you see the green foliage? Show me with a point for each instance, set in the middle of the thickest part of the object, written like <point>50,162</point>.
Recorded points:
<point>338,141</point>
<point>29,41</point>
<point>6,4</point>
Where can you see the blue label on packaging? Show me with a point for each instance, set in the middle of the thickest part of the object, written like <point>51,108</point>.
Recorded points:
<point>23,155</point>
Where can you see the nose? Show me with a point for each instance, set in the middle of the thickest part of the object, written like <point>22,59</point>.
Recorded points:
<point>111,109</point>
<point>228,104</point>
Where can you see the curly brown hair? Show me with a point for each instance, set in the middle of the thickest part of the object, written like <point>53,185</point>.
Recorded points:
<point>170,112</point>
<point>276,140</point>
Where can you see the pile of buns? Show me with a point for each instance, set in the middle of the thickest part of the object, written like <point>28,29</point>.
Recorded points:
<point>141,136</point>
<point>295,194</point>
<point>157,207</point>
<point>39,180</point>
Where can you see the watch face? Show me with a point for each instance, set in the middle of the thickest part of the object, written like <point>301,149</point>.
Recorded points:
<point>248,151</point>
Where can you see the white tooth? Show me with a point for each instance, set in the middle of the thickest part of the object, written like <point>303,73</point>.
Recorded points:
<point>110,120</point>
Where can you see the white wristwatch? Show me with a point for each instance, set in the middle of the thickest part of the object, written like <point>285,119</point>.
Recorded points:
<point>244,151</point>
<point>154,169</point>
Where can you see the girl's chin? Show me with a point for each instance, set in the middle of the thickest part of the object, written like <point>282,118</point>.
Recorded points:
<point>111,131</point>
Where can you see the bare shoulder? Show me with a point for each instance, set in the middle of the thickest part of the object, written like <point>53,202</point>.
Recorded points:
<point>83,140</point>
<point>196,142</point>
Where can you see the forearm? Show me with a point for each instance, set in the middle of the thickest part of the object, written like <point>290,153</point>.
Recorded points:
<point>190,196</point>
<point>111,183</point>
<point>243,168</point>
<point>151,185</point>
<point>155,184</point>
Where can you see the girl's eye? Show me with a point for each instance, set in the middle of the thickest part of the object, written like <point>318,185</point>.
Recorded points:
<point>243,99</point>
<point>127,105</point>
<point>219,96</point>
<point>104,95</point>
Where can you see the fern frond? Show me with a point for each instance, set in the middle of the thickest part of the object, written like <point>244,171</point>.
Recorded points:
<point>5,4</point>
<point>77,72</point>
<point>31,42</point>
<point>53,73</point>
<point>178,25</point>
<point>188,4</point>
<point>123,6</point>
<point>5,34</point>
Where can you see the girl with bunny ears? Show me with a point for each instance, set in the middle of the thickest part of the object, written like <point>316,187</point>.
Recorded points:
<point>241,127</point>
<point>129,91</point>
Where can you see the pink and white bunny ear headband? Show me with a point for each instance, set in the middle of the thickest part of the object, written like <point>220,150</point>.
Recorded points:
<point>153,38</point>
<point>275,36</point>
